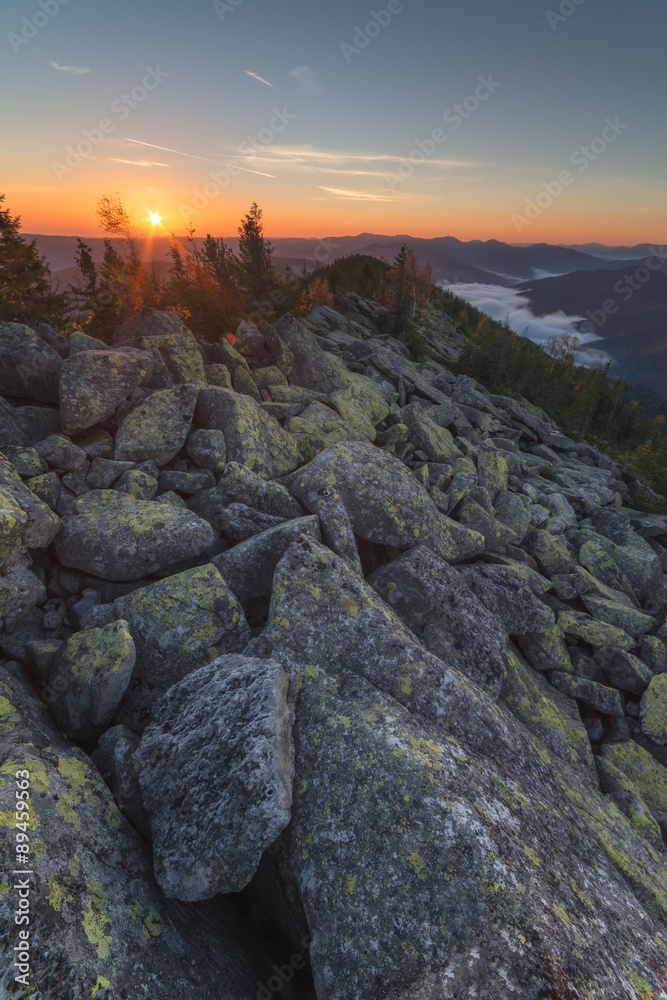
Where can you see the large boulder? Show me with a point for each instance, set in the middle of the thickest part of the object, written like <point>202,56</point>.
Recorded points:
<point>385,503</point>
<point>219,750</point>
<point>254,438</point>
<point>157,429</point>
<point>94,383</point>
<point>178,624</point>
<point>28,365</point>
<point>99,925</point>
<point>113,536</point>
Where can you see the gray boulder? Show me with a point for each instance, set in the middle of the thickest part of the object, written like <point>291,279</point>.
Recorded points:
<point>208,449</point>
<point>248,567</point>
<point>93,670</point>
<point>385,503</point>
<point>218,752</point>
<point>28,365</point>
<point>113,536</point>
<point>94,383</point>
<point>178,624</point>
<point>509,599</point>
<point>248,339</point>
<point>99,925</point>
<point>436,603</point>
<point>157,429</point>
<point>254,438</point>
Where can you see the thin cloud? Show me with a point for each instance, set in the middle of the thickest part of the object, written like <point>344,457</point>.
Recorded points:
<point>305,154</point>
<point>261,79</point>
<point>346,195</point>
<point>75,70</point>
<point>139,163</point>
<point>306,76</point>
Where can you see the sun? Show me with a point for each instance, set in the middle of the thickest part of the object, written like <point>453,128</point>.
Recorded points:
<point>155,219</point>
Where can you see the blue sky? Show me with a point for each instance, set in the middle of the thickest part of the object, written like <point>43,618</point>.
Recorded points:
<point>351,116</point>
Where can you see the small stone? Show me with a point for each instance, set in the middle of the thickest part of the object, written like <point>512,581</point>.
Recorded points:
<point>61,453</point>
<point>137,485</point>
<point>207,449</point>
<point>104,472</point>
<point>188,483</point>
<point>238,522</point>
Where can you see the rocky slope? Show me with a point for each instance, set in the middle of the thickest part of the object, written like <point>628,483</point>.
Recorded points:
<point>330,675</point>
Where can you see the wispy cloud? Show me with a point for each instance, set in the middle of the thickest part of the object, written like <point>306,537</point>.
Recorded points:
<point>306,154</point>
<point>261,79</point>
<point>139,163</point>
<point>75,70</point>
<point>346,195</point>
<point>306,76</point>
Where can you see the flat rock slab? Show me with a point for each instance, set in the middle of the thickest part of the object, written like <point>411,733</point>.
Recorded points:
<point>110,535</point>
<point>384,501</point>
<point>215,769</point>
<point>419,880</point>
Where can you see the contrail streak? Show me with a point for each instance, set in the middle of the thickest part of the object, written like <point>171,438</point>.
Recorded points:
<point>206,159</point>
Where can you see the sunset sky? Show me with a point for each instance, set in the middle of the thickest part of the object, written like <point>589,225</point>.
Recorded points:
<point>338,117</point>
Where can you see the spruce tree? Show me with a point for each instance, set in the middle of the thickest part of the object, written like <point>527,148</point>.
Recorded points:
<point>26,291</point>
<point>255,252</point>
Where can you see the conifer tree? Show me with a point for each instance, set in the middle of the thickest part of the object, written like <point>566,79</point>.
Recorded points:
<point>26,290</point>
<point>255,252</point>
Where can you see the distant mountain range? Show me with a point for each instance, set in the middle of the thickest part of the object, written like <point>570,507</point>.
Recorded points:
<point>575,280</point>
<point>489,262</point>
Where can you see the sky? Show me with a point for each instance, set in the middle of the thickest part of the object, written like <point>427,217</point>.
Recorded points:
<point>524,122</point>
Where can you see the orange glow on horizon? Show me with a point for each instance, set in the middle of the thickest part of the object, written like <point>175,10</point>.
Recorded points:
<point>290,216</point>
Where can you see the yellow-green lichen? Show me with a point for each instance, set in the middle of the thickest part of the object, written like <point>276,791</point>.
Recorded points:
<point>96,920</point>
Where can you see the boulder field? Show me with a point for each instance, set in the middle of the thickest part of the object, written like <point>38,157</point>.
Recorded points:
<point>323,673</point>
